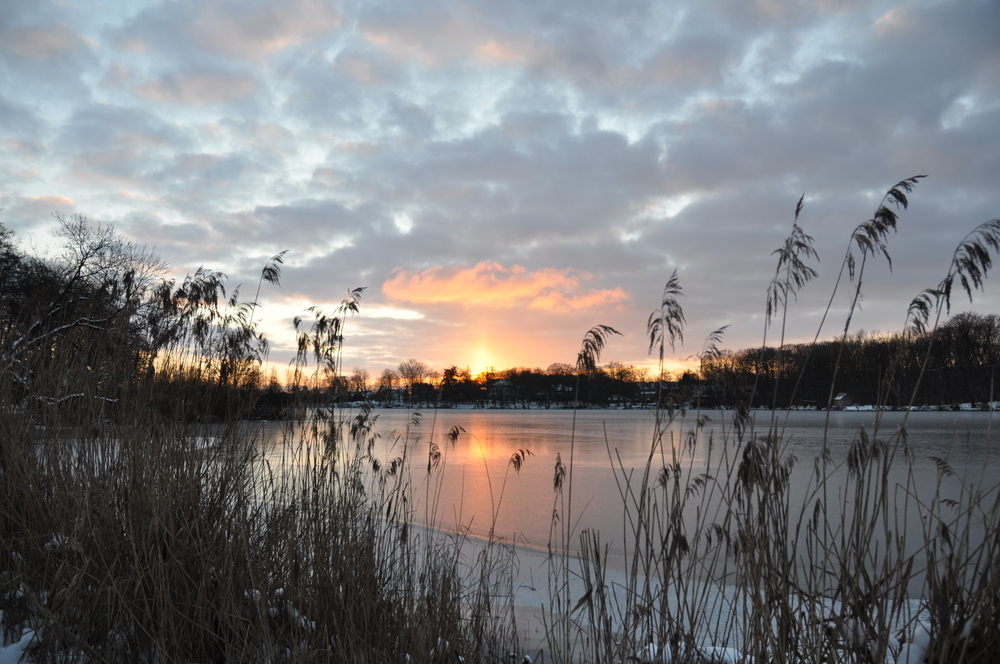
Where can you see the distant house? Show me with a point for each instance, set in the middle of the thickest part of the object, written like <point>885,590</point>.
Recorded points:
<point>843,400</point>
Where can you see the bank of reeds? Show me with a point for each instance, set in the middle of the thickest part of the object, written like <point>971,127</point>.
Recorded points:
<point>143,518</point>
<point>727,559</point>
<point>152,540</point>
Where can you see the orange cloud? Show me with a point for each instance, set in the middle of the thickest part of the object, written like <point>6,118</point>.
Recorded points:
<point>502,53</point>
<point>493,285</point>
<point>48,201</point>
<point>559,302</point>
<point>41,206</point>
<point>896,20</point>
<point>255,32</point>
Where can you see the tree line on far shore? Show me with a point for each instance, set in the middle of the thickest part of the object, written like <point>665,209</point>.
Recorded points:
<point>414,383</point>
<point>92,328</point>
<point>962,357</point>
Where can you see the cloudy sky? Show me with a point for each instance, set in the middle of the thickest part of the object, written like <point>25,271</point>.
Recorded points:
<point>503,175</point>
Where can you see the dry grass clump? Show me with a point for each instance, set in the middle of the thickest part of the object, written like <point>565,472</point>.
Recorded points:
<point>727,560</point>
<point>154,541</point>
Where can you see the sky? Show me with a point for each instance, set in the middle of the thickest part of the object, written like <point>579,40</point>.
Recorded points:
<point>501,176</point>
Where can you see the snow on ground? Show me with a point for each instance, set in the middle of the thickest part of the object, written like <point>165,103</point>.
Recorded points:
<point>531,631</point>
<point>14,652</point>
<point>531,603</point>
<point>915,647</point>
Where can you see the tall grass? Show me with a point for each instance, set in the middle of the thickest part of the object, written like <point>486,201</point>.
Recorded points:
<point>154,540</point>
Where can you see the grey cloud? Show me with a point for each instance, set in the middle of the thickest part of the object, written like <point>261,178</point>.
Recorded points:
<point>689,61</point>
<point>151,228</point>
<point>411,119</point>
<point>366,67</point>
<point>531,177</point>
<point>941,44</point>
<point>604,50</point>
<point>18,10</point>
<point>24,152</point>
<point>495,209</point>
<point>19,120</point>
<point>25,213</point>
<point>100,126</point>
<point>235,242</point>
<point>910,69</point>
<point>118,143</point>
<point>190,31</point>
<point>263,150</point>
<point>199,87</point>
<point>44,58</point>
<point>544,38</point>
<point>311,221</point>
<point>325,97</point>
<point>204,175</point>
<point>267,136</point>
<point>184,246</point>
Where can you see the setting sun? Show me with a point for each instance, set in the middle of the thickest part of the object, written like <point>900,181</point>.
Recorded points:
<point>481,359</point>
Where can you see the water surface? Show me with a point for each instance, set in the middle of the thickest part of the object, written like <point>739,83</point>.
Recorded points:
<point>475,488</point>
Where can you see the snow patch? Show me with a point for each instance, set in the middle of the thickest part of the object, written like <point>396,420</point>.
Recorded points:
<point>16,652</point>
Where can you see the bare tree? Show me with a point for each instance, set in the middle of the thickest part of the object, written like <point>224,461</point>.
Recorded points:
<point>387,384</point>
<point>93,296</point>
<point>359,380</point>
<point>413,372</point>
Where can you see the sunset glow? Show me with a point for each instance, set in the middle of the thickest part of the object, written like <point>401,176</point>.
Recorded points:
<point>493,285</point>
<point>482,359</point>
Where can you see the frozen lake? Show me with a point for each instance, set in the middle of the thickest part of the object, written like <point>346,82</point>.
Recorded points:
<point>475,489</point>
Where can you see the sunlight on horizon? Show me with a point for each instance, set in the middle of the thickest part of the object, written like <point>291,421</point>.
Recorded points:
<point>481,360</point>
